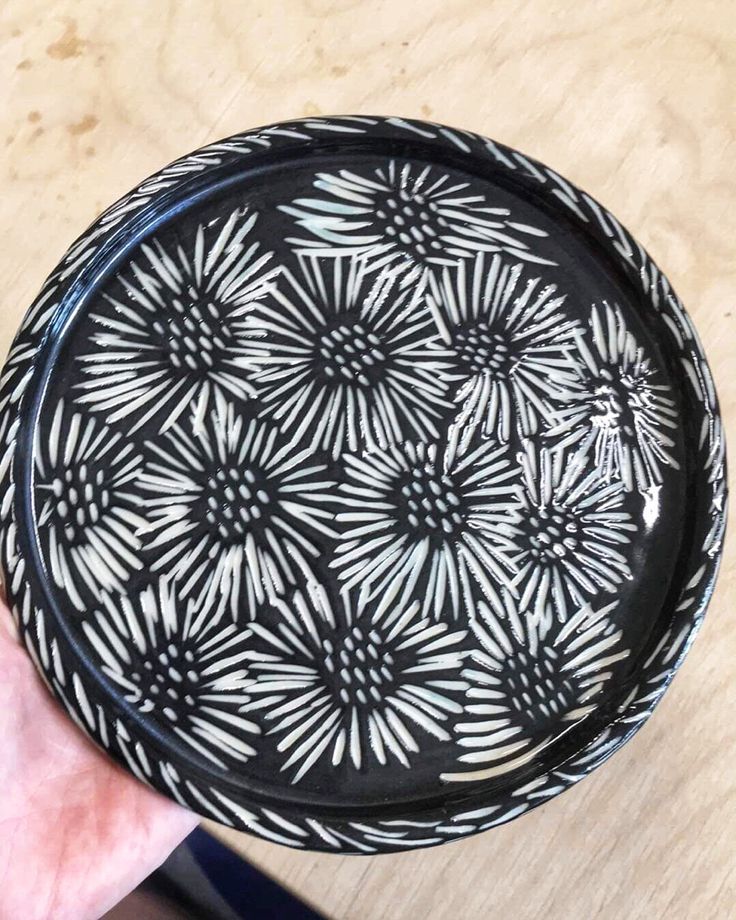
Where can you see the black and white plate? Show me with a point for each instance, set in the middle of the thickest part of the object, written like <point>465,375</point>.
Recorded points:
<point>362,483</point>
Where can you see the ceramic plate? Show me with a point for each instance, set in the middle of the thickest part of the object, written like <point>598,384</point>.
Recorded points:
<point>363,483</point>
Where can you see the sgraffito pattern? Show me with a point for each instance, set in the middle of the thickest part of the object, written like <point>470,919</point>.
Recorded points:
<point>356,494</point>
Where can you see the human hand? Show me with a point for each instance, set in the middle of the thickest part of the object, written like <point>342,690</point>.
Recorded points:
<point>77,833</point>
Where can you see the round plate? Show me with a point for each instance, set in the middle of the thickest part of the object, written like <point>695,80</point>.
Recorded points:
<point>363,483</point>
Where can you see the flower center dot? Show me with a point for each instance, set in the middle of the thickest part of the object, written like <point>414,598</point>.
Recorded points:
<point>81,496</point>
<point>351,353</point>
<point>616,402</point>
<point>235,501</point>
<point>194,337</point>
<point>412,221</point>
<point>480,350</point>
<point>167,682</point>
<point>537,689</point>
<point>360,670</point>
<point>552,533</point>
<point>430,503</point>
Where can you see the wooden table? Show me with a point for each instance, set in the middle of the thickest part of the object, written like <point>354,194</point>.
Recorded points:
<point>634,102</point>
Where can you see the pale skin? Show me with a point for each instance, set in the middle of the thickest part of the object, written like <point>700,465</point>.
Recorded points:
<point>77,833</point>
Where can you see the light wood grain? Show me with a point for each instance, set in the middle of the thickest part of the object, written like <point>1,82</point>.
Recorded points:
<point>635,102</point>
